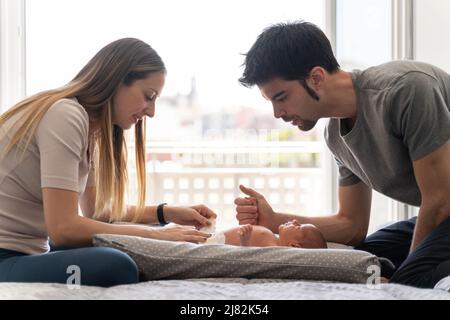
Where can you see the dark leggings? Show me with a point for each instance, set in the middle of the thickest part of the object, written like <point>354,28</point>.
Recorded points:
<point>94,266</point>
<point>425,266</point>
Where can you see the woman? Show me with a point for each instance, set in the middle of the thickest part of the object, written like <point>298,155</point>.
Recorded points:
<point>65,147</point>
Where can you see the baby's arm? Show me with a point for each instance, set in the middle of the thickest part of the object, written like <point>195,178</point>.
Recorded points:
<point>245,234</point>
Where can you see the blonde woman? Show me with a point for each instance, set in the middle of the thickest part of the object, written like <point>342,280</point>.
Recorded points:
<point>65,148</point>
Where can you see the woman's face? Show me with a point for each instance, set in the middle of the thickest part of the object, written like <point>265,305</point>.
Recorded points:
<point>131,103</point>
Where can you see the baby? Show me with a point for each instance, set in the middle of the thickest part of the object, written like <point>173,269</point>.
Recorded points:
<point>290,234</point>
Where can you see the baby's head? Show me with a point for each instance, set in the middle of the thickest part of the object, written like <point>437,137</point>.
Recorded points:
<point>294,234</point>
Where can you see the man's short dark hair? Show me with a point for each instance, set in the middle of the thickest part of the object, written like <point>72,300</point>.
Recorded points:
<point>288,51</point>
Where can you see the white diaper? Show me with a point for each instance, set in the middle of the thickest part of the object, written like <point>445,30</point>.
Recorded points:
<point>217,238</point>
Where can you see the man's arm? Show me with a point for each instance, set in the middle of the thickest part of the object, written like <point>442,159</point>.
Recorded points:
<point>432,173</point>
<point>348,226</point>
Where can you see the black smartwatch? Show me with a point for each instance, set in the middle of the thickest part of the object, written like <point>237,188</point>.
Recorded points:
<point>160,214</point>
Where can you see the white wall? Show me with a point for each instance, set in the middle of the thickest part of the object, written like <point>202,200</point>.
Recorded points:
<point>432,26</point>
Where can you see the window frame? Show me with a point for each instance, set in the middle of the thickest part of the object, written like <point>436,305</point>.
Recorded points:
<point>13,66</point>
<point>12,52</point>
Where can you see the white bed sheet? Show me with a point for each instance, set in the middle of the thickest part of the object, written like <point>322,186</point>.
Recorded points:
<point>223,289</point>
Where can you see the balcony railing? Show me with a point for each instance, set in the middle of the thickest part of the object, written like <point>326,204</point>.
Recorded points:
<point>172,179</point>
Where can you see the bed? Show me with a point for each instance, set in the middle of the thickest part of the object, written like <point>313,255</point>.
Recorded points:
<point>171,270</point>
<point>225,289</point>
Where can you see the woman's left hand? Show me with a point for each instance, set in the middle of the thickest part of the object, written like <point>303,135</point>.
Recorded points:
<point>197,216</point>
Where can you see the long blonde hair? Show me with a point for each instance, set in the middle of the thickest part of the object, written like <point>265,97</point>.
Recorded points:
<point>122,61</point>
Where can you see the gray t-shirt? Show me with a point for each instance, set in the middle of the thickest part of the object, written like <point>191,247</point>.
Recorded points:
<point>55,158</point>
<point>403,114</point>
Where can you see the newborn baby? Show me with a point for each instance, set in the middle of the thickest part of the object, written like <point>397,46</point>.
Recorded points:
<point>291,234</point>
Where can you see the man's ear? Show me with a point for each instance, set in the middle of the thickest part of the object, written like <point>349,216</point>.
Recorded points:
<point>316,77</point>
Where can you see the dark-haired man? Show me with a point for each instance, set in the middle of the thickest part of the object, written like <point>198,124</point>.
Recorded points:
<point>389,130</point>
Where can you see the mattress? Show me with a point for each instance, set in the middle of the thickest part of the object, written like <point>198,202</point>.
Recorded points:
<point>222,289</point>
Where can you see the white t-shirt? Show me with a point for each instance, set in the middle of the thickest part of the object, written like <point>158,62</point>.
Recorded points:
<point>55,158</point>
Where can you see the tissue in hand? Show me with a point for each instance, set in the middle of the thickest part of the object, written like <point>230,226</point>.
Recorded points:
<point>211,227</point>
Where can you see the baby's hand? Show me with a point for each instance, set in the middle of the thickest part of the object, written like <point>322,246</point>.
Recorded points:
<point>245,234</point>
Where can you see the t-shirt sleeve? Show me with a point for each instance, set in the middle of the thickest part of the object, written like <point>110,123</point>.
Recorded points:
<point>346,176</point>
<point>61,137</point>
<point>420,114</point>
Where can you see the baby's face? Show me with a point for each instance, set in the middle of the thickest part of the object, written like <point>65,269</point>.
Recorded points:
<point>294,234</point>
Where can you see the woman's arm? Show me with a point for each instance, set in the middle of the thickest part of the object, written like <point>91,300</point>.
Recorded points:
<point>66,228</point>
<point>87,205</point>
<point>197,216</point>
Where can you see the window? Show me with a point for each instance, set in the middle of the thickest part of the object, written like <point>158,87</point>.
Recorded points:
<point>431,28</point>
<point>12,53</point>
<point>363,33</point>
<point>210,134</point>
<point>364,39</point>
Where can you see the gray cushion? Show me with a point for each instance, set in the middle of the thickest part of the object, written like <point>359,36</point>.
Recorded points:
<point>158,259</point>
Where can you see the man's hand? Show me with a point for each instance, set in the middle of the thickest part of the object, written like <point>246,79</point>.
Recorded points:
<point>254,209</point>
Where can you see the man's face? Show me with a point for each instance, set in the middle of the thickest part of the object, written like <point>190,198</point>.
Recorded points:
<point>291,103</point>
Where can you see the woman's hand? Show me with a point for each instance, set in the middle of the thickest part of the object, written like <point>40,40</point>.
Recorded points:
<point>178,233</point>
<point>197,216</point>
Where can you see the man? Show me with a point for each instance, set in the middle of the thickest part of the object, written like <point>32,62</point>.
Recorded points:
<point>389,130</point>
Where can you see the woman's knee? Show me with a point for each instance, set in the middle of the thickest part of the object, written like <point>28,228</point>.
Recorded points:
<point>112,267</point>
